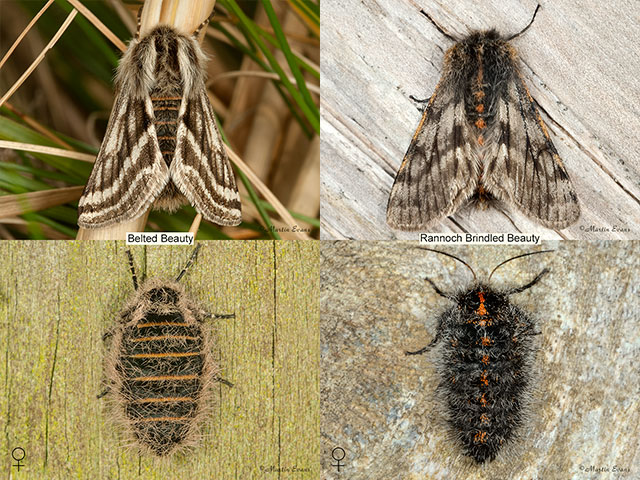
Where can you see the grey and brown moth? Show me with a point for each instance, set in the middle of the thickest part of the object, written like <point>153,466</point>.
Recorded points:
<point>481,138</point>
<point>162,147</point>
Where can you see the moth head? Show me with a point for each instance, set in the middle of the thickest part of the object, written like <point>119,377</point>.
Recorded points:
<point>481,300</point>
<point>162,58</point>
<point>162,296</point>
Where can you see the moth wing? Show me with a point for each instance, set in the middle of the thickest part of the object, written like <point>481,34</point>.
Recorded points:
<point>201,169</point>
<point>439,172</point>
<point>129,173</point>
<point>527,171</point>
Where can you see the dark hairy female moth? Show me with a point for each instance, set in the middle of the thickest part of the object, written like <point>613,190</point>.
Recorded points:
<point>480,139</point>
<point>485,361</point>
<point>160,367</point>
<point>162,147</point>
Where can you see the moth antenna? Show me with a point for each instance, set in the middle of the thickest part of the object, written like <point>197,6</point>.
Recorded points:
<point>452,256</point>
<point>133,270</point>
<point>440,29</point>
<point>527,27</point>
<point>192,259</point>
<point>139,23</point>
<point>528,285</point>
<point>518,256</point>
<point>203,25</point>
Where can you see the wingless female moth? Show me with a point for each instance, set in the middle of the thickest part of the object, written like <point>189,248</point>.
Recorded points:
<point>160,367</point>
<point>481,138</point>
<point>162,147</point>
<point>484,354</point>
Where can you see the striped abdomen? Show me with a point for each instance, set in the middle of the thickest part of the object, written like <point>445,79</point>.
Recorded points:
<point>486,375</point>
<point>165,110</point>
<point>161,360</point>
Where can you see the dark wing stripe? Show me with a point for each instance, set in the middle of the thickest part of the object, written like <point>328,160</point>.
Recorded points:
<point>436,175</point>
<point>201,169</point>
<point>129,173</point>
<point>528,172</point>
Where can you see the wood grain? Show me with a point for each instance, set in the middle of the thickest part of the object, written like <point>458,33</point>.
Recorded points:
<point>575,62</point>
<point>378,404</point>
<point>58,298</point>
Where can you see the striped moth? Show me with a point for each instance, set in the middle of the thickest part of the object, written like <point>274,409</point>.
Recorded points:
<point>162,147</point>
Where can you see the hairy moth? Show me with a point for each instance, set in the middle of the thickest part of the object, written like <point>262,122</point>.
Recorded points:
<point>481,138</point>
<point>485,354</point>
<point>160,366</point>
<point>162,147</point>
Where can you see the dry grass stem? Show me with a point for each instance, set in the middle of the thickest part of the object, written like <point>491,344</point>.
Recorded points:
<point>40,57</point>
<point>22,203</point>
<point>38,127</point>
<point>259,74</point>
<point>59,152</point>
<point>24,32</point>
<point>98,24</point>
<point>267,194</point>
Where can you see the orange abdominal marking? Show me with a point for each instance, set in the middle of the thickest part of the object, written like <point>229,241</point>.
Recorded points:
<point>480,108</point>
<point>481,309</point>
<point>484,419</point>
<point>485,359</point>
<point>480,140</point>
<point>480,437</point>
<point>483,401</point>
<point>480,123</point>
<point>483,378</point>
<point>486,341</point>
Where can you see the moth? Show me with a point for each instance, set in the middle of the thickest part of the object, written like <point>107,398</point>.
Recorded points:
<point>162,148</point>
<point>484,357</point>
<point>481,139</point>
<point>159,366</point>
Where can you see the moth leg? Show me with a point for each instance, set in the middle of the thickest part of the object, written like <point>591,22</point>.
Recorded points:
<point>528,285</point>
<point>133,269</point>
<point>428,347</point>
<point>223,381</point>
<point>108,334</point>
<point>424,103</point>
<point>139,23</point>
<point>103,393</point>
<point>417,100</point>
<point>190,262</point>
<point>203,24</point>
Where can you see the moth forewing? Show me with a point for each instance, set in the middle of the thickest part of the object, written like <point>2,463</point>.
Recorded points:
<point>162,147</point>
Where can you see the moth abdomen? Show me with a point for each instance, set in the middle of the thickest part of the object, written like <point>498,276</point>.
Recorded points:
<point>165,110</point>
<point>486,366</point>
<point>161,359</point>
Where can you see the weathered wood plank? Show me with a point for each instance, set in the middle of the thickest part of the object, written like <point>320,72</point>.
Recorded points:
<point>575,62</point>
<point>378,404</point>
<point>58,298</point>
